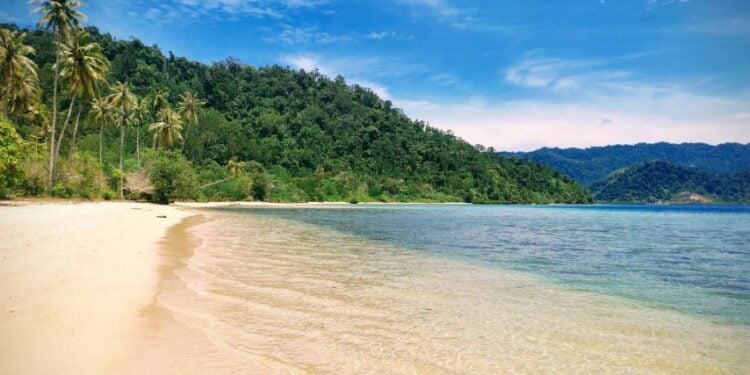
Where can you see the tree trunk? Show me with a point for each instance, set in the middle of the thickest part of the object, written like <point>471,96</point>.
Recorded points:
<point>216,182</point>
<point>138,145</point>
<point>122,146</point>
<point>54,122</point>
<point>101,130</point>
<point>185,138</point>
<point>62,131</point>
<point>75,132</point>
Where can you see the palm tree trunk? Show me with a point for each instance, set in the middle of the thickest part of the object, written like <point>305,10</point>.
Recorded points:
<point>216,182</point>
<point>75,132</point>
<point>101,130</point>
<point>184,139</point>
<point>138,145</point>
<point>54,122</point>
<point>122,146</point>
<point>62,131</point>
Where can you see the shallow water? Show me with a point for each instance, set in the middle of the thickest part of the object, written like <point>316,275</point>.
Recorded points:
<point>461,289</point>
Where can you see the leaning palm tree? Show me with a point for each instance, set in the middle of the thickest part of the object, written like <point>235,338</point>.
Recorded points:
<point>188,107</point>
<point>236,168</point>
<point>61,16</point>
<point>167,129</point>
<point>18,77</point>
<point>101,114</point>
<point>122,101</point>
<point>84,67</point>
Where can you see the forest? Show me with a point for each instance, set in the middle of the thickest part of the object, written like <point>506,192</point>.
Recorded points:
<point>85,115</point>
<point>661,181</point>
<point>594,164</point>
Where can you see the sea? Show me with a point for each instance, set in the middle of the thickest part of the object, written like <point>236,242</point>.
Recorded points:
<point>476,289</point>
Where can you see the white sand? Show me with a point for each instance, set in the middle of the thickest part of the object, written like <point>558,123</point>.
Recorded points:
<point>73,279</point>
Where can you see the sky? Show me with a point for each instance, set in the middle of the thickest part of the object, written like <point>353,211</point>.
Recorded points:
<point>515,75</point>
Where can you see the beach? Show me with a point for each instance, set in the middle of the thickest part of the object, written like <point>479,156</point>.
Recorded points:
<point>74,279</point>
<point>94,288</point>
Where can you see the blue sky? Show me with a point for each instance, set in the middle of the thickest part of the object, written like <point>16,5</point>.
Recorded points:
<point>516,75</point>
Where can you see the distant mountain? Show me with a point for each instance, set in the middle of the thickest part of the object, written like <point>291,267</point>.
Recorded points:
<point>663,181</point>
<point>594,164</point>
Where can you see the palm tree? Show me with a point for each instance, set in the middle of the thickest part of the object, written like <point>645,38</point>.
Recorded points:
<point>122,102</point>
<point>158,101</point>
<point>140,115</point>
<point>18,77</point>
<point>101,114</point>
<point>61,16</point>
<point>167,128</point>
<point>84,68</point>
<point>236,168</point>
<point>188,107</point>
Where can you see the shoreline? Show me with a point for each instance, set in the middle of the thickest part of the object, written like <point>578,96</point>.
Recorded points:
<point>76,276</point>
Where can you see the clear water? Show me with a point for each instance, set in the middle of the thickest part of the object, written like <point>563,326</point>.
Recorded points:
<point>405,289</point>
<point>689,259</point>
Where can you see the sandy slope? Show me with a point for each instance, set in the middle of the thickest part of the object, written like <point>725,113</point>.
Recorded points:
<point>74,277</point>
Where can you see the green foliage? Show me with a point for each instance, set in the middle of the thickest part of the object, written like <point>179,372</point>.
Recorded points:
<point>303,137</point>
<point>171,175</point>
<point>81,177</point>
<point>663,181</point>
<point>594,164</point>
<point>12,148</point>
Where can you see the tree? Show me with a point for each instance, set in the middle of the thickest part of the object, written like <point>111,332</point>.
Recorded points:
<point>12,148</point>
<point>123,101</point>
<point>84,68</point>
<point>171,175</point>
<point>158,101</point>
<point>188,107</point>
<point>20,83</point>
<point>101,114</point>
<point>235,168</point>
<point>60,16</point>
<point>140,115</point>
<point>167,129</point>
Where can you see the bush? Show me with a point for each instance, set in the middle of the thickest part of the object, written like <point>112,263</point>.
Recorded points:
<point>171,175</point>
<point>12,147</point>
<point>81,177</point>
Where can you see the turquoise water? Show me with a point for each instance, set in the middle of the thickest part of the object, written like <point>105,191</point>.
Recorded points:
<point>691,259</point>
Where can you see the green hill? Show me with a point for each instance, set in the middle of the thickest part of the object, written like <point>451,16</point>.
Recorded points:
<point>305,137</point>
<point>663,181</point>
<point>591,165</point>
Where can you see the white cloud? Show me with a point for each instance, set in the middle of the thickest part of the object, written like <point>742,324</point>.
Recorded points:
<point>530,124</point>
<point>354,69</point>
<point>292,35</point>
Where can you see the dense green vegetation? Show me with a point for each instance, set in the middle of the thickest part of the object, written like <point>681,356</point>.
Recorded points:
<point>594,164</point>
<point>663,181</point>
<point>230,131</point>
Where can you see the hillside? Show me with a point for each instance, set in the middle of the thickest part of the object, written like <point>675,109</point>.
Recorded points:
<point>301,136</point>
<point>591,165</point>
<point>666,182</point>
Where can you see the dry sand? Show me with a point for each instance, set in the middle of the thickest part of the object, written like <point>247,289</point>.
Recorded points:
<point>75,277</point>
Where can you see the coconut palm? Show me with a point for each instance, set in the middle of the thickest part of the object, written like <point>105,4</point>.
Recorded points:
<point>167,128</point>
<point>122,101</point>
<point>236,168</point>
<point>188,107</point>
<point>101,114</point>
<point>18,77</point>
<point>158,101</point>
<point>61,16</point>
<point>84,69</point>
<point>140,116</point>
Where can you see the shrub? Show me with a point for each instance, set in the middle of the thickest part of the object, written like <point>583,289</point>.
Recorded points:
<point>171,175</point>
<point>12,147</point>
